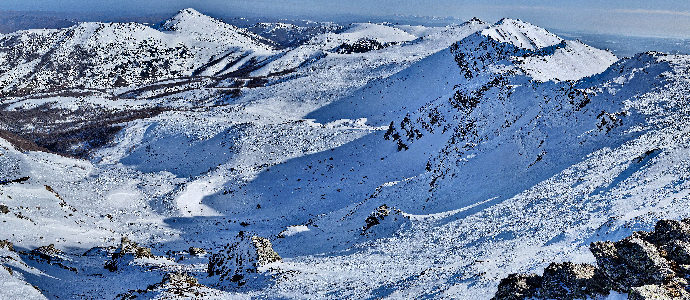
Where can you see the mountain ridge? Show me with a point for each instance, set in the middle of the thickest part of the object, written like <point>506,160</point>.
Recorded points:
<point>372,160</point>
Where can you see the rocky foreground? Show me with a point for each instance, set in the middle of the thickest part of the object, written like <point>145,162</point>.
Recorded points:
<point>646,265</point>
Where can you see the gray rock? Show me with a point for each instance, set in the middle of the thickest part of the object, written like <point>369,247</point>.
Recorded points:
<point>678,251</point>
<point>631,262</point>
<point>657,292</point>
<point>125,253</point>
<point>646,265</point>
<point>48,253</point>
<point>173,286</point>
<point>242,257</point>
<point>376,217</point>
<point>197,251</point>
<point>128,246</point>
<point>179,278</point>
<point>518,286</point>
<point>51,255</point>
<point>569,281</point>
<point>383,221</point>
<point>667,231</point>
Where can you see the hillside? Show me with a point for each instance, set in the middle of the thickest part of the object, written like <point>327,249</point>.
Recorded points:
<point>199,160</point>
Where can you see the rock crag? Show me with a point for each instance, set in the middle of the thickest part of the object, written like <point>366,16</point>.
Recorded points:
<point>242,257</point>
<point>645,265</point>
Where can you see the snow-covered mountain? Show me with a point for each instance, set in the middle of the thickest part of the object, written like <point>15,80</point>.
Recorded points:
<point>354,161</point>
<point>103,56</point>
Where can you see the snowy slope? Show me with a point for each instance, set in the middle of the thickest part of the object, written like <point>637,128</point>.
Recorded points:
<point>521,34</point>
<point>573,61</point>
<point>189,22</point>
<point>107,55</point>
<point>429,167</point>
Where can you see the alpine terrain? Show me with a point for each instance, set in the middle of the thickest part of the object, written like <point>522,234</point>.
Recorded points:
<point>195,159</point>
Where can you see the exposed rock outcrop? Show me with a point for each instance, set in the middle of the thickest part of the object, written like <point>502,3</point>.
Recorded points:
<point>569,281</point>
<point>197,251</point>
<point>6,245</point>
<point>518,286</point>
<point>126,252</point>
<point>51,255</point>
<point>383,220</point>
<point>646,265</point>
<point>242,257</point>
<point>173,286</point>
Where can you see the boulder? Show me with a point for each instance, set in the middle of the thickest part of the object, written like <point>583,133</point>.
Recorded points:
<point>631,262</point>
<point>129,247</point>
<point>384,220</point>
<point>657,292</point>
<point>125,253</point>
<point>197,251</point>
<point>569,281</point>
<point>666,231</point>
<point>518,286</point>
<point>244,256</point>
<point>174,286</point>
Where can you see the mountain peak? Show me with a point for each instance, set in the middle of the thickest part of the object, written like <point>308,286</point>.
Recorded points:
<point>189,11</point>
<point>474,20</point>
<point>521,34</point>
<point>187,18</point>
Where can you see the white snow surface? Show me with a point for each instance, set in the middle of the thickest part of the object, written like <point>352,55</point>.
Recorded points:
<point>521,34</point>
<point>572,62</point>
<point>494,171</point>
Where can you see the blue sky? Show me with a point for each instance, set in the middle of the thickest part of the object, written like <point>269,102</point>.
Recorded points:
<point>666,18</point>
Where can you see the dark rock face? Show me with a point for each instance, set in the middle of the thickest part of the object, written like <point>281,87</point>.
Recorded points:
<point>572,281</point>
<point>360,46</point>
<point>646,265</point>
<point>384,220</point>
<point>48,253</point>
<point>632,261</point>
<point>518,286</point>
<point>376,217</point>
<point>242,257</point>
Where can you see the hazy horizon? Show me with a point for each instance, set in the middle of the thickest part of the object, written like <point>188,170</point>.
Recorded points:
<point>665,18</point>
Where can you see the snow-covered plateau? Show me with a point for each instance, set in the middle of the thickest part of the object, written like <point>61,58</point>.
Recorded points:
<point>198,160</point>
